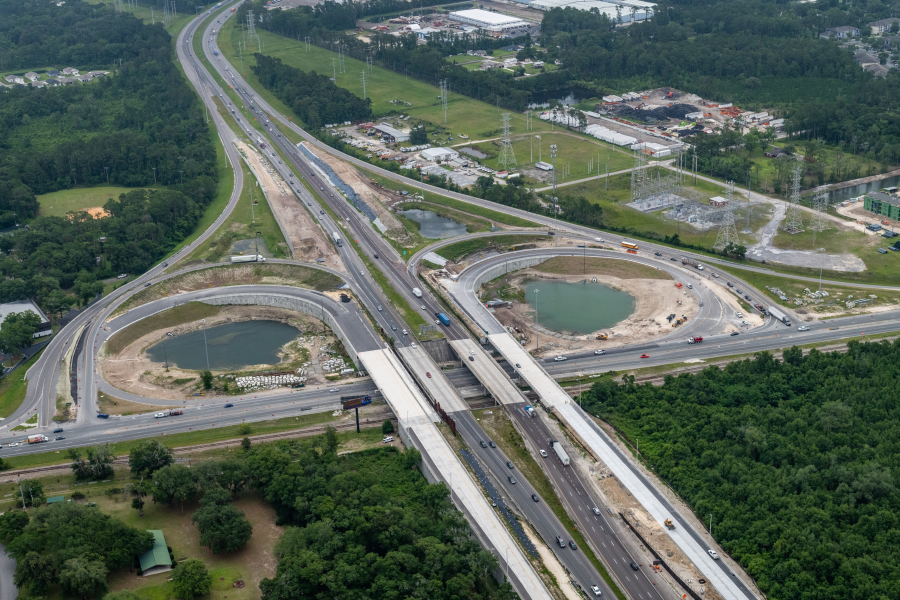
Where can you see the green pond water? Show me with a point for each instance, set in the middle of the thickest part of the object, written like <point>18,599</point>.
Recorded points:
<point>578,308</point>
<point>231,346</point>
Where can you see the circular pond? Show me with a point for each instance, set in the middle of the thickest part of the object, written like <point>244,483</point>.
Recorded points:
<point>578,308</point>
<point>231,346</point>
<point>432,225</point>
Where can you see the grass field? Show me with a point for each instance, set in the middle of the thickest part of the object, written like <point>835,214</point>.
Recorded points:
<point>184,313</point>
<point>58,204</point>
<point>13,388</point>
<point>836,242</point>
<point>568,265</point>
<point>463,248</point>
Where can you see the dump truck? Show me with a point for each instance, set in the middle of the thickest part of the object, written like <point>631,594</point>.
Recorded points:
<point>669,524</point>
<point>557,447</point>
<point>775,312</point>
<point>37,439</point>
<point>695,340</point>
<point>417,292</point>
<point>248,258</point>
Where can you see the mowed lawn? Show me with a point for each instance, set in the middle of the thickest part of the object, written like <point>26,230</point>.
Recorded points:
<point>58,204</point>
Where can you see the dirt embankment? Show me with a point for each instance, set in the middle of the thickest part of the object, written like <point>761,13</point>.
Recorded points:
<point>307,240</point>
<point>655,294</point>
<point>375,197</point>
<point>133,371</point>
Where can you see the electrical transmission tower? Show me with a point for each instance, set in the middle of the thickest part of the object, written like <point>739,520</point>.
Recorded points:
<point>820,206</point>
<point>728,235</point>
<point>639,180</point>
<point>793,220</point>
<point>507,157</point>
<point>251,25</point>
<point>364,83</point>
<point>445,92</point>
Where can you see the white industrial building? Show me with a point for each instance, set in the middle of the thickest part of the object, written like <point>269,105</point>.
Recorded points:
<point>490,21</point>
<point>21,306</point>
<point>616,10</point>
<point>392,134</point>
<point>610,136</point>
<point>438,154</point>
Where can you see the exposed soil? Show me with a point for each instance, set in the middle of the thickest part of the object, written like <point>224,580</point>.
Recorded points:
<point>132,370</point>
<point>307,240</point>
<point>374,196</point>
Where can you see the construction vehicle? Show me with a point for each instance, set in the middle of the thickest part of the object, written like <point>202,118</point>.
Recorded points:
<point>602,336</point>
<point>670,95</point>
<point>695,340</point>
<point>669,524</point>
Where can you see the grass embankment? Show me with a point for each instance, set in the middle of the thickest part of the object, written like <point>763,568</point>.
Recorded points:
<point>13,388</point>
<point>235,274</point>
<point>837,294</point>
<point>501,430</point>
<point>116,406</point>
<point>179,315</point>
<point>622,269</point>
<point>504,243</point>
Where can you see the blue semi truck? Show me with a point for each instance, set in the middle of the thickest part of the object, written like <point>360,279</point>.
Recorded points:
<point>443,318</point>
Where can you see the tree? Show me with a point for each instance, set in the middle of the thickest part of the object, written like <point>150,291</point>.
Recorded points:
<point>17,331</point>
<point>387,427</point>
<point>32,491</point>
<point>418,135</point>
<point>148,456</point>
<point>98,464</point>
<point>245,444</point>
<point>12,524</point>
<point>37,572</point>
<point>122,595</point>
<point>223,527</point>
<point>191,579</point>
<point>234,475</point>
<point>207,378</point>
<point>174,483</point>
<point>139,490</point>
<point>84,576</point>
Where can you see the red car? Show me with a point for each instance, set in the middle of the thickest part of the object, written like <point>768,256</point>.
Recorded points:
<point>427,374</point>
<point>645,356</point>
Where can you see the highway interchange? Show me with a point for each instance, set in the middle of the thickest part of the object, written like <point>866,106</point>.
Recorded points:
<point>93,328</point>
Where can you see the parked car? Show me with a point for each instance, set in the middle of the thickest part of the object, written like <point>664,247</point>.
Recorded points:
<point>388,439</point>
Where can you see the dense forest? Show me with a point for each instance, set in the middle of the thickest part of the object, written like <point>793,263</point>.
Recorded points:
<point>140,126</point>
<point>796,460</point>
<point>366,525</point>
<point>313,97</point>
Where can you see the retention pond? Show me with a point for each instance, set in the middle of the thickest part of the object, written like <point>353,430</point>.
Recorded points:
<point>231,347</point>
<point>432,225</point>
<point>578,308</point>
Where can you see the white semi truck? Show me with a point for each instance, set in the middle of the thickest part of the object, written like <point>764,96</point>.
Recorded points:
<point>563,457</point>
<point>336,237</point>
<point>775,312</point>
<point>248,258</point>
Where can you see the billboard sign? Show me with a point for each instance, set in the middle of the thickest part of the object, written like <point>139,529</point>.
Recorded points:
<point>355,401</point>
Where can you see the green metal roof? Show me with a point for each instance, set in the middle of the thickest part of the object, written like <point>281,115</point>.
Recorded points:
<point>158,555</point>
<point>53,499</point>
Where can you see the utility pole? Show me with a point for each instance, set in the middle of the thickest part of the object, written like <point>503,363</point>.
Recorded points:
<point>537,335</point>
<point>154,175</point>
<point>553,156</point>
<point>203,322</point>
<point>252,212</point>
<point>107,173</point>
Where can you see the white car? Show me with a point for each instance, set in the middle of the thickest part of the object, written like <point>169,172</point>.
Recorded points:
<point>560,358</point>
<point>332,390</point>
<point>803,328</point>
<point>404,332</point>
<point>713,553</point>
<point>714,275</point>
<point>13,445</point>
<point>740,315</point>
<point>598,240</point>
<point>161,415</point>
<point>599,352</point>
<point>596,590</point>
<point>388,439</point>
<point>543,453</point>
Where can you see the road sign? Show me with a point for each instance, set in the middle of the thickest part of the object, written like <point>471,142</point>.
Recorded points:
<point>355,401</point>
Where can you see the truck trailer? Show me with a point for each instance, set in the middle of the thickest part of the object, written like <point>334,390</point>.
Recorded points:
<point>443,319</point>
<point>248,258</point>
<point>775,312</point>
<point>37,439</point>
<point>557,447</point>
<point>337,238</point>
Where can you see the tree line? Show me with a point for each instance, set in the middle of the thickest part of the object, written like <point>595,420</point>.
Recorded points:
<point>795,460</point>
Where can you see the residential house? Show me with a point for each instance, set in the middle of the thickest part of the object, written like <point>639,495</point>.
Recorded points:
<point>32,76</point>
<point>53,73</point>
<point>84,78</point>
<point>878,70</point>
<point>38,84</point>
<point>840,33</point>
<point>15,79</point>
<point>70,71</point>
<point>476,53</point>
<point>96,74</point>
<point>883,25</point>
<point>66,80</point>
<point>52,83</point>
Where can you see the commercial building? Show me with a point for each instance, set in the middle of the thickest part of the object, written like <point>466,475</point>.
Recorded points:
<point>439,154</point>
<point>840,33</point>
<point>390,134</point>
<point>490,21</point>
<point>882,204</point>
<point>883,25</point>
<point>617,11</point>
<point>27,306</point>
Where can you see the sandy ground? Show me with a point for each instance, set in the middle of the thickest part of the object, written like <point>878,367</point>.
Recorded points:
<point>307,240</point>
<point>132,370</point>
<point>373,196</point>
<point>655,300</point>
<point>549,560</point>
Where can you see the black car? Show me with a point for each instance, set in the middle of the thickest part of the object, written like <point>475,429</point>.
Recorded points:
<point>510,465</point>
<point>729,284</point>
<point>102,416</point>
<point>657,253</point>
<point>472,358</point>
<point>374,256</point>
<point>58,430</point>
<point>483,444</point>
<point>572,545</point>
<point>535,497</point>
<point>229,405</point>
<point>748,298</point>
<point>734,333</point>
<point>673,258</point>
<point>518,366</point>
<point>492,444</point>
<point>59,437</point>
<point>512,479</point>
<point>634,566</point>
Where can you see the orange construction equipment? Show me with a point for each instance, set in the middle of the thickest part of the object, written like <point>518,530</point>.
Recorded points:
<point>678,285</point>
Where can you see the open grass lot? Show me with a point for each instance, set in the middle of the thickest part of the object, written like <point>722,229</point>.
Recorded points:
<point>13,388</point>
<point>854,166</point>
<point>855,242</point>
<point>616,214</point>
<point>463,248</point>
<point>464,115</point>
<point>58,204</point>
<point>572,150</point>
<point>623,269</point>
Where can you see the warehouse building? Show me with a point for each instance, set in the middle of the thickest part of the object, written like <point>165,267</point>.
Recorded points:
<point>20,306</point>
<point>390,134</point>
<point>490,21</point>
<point>439,154</point>
<point>619,11</point>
